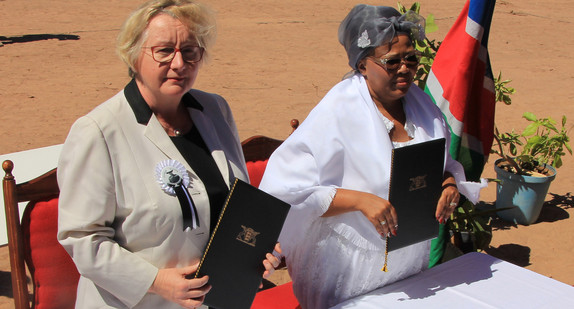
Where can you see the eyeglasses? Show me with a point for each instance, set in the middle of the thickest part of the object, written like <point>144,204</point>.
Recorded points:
<point>165,54</point>
<point>411,60</point>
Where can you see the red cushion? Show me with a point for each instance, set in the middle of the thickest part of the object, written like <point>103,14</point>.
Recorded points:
<point>279,297</point>
<point>256,170</point>
<point>53,271</point>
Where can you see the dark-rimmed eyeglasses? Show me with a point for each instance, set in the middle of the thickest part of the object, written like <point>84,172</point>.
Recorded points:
<point>165,54</point>
<point>392,64</point>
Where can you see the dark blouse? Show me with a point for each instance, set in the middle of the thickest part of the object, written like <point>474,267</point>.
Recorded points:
<point>195,151</point>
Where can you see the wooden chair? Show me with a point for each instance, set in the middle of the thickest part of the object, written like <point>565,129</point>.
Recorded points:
<point>260,147</point>
<point>257,150</point>
<point>32,242</point>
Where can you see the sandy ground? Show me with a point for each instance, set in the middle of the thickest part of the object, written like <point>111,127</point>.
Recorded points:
<point>273,61</point>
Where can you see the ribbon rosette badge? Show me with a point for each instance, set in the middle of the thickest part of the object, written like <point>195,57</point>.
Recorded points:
<point>174,180</point>
<point>171,174</point>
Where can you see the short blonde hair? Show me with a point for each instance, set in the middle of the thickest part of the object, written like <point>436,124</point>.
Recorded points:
<point>196,17</point>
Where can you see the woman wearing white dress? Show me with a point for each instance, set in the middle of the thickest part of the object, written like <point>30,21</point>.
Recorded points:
<point>334,169</point>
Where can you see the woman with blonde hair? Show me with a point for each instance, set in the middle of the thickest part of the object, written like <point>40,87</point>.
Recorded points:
<point>144,175</point>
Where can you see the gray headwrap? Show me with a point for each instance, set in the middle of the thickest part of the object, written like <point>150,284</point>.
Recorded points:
<point>367,27</point>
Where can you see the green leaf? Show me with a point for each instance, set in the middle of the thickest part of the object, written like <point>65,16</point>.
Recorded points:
<point>530,129</point>
<point>430,25</point>
<point>416,7</point>
<point>530,116</point>
<point>550,125</point>
<point>535,140</point>
<point>568,147</point>
<point>402,8</point>
<point>513,149</point>
<point>557,162</point>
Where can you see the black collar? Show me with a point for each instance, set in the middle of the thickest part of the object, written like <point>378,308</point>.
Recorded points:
<point>142,110</point>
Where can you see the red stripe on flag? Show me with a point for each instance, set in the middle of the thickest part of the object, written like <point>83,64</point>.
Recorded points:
<point>453,70</point>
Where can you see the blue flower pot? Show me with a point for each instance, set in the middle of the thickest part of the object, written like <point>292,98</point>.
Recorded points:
<point>525,193</point>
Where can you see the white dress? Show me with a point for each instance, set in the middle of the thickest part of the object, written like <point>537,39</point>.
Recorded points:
<point>344,143</point>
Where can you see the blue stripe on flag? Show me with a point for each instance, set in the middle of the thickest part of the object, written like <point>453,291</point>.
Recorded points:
<point>481,14</point>
<point>477,11</point>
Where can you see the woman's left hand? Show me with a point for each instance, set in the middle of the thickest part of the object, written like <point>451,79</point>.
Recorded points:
<point>271,262</point>
<point>173,284</point>
<point>448,199</point>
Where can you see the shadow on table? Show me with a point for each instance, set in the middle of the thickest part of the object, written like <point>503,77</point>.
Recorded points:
<point>472,267</point>
<point>443,276</point>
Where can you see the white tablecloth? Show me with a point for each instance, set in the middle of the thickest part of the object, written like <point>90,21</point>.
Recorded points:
<point>474,280</point>
<point>28,164</point>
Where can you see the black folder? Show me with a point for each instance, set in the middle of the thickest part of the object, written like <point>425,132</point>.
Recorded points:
<point>248,229</point>
<point>415,188</point>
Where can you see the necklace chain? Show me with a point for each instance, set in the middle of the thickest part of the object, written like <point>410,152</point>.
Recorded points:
<point>176,132</point>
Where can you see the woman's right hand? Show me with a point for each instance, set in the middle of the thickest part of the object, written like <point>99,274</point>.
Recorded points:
<point>172,284</point>
<point>379,211</point>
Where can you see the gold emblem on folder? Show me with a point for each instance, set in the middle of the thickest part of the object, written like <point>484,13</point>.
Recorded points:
<point>247,236</point>
<point>418,182</point>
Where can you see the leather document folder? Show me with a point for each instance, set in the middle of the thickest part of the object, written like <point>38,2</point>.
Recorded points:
<point>416,185</point>
<point>247,229</point>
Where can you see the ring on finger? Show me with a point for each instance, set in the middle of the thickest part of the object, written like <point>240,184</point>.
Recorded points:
<point>453,204</point>
<point>383,222</point>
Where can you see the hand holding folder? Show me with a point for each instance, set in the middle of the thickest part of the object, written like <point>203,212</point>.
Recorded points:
<point>416,180</point>
<point>248,229</point>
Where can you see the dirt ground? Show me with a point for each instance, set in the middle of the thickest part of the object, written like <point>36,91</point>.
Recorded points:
<point>273,61</point>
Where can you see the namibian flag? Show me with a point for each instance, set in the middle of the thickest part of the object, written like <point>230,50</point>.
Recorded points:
<point>461,84</point>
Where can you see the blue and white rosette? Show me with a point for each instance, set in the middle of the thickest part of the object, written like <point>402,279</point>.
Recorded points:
<point>173,179</point>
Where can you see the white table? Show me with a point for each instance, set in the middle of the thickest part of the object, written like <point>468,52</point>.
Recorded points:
<point>28,164</point>
<point>474,280</point>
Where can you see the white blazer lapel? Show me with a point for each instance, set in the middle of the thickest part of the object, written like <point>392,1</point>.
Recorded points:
<point>156,134</point>
<point>209,134</point>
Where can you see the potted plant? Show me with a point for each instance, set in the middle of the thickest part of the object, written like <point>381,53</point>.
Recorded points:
<point>527,165</point>
<point>469,227</point>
